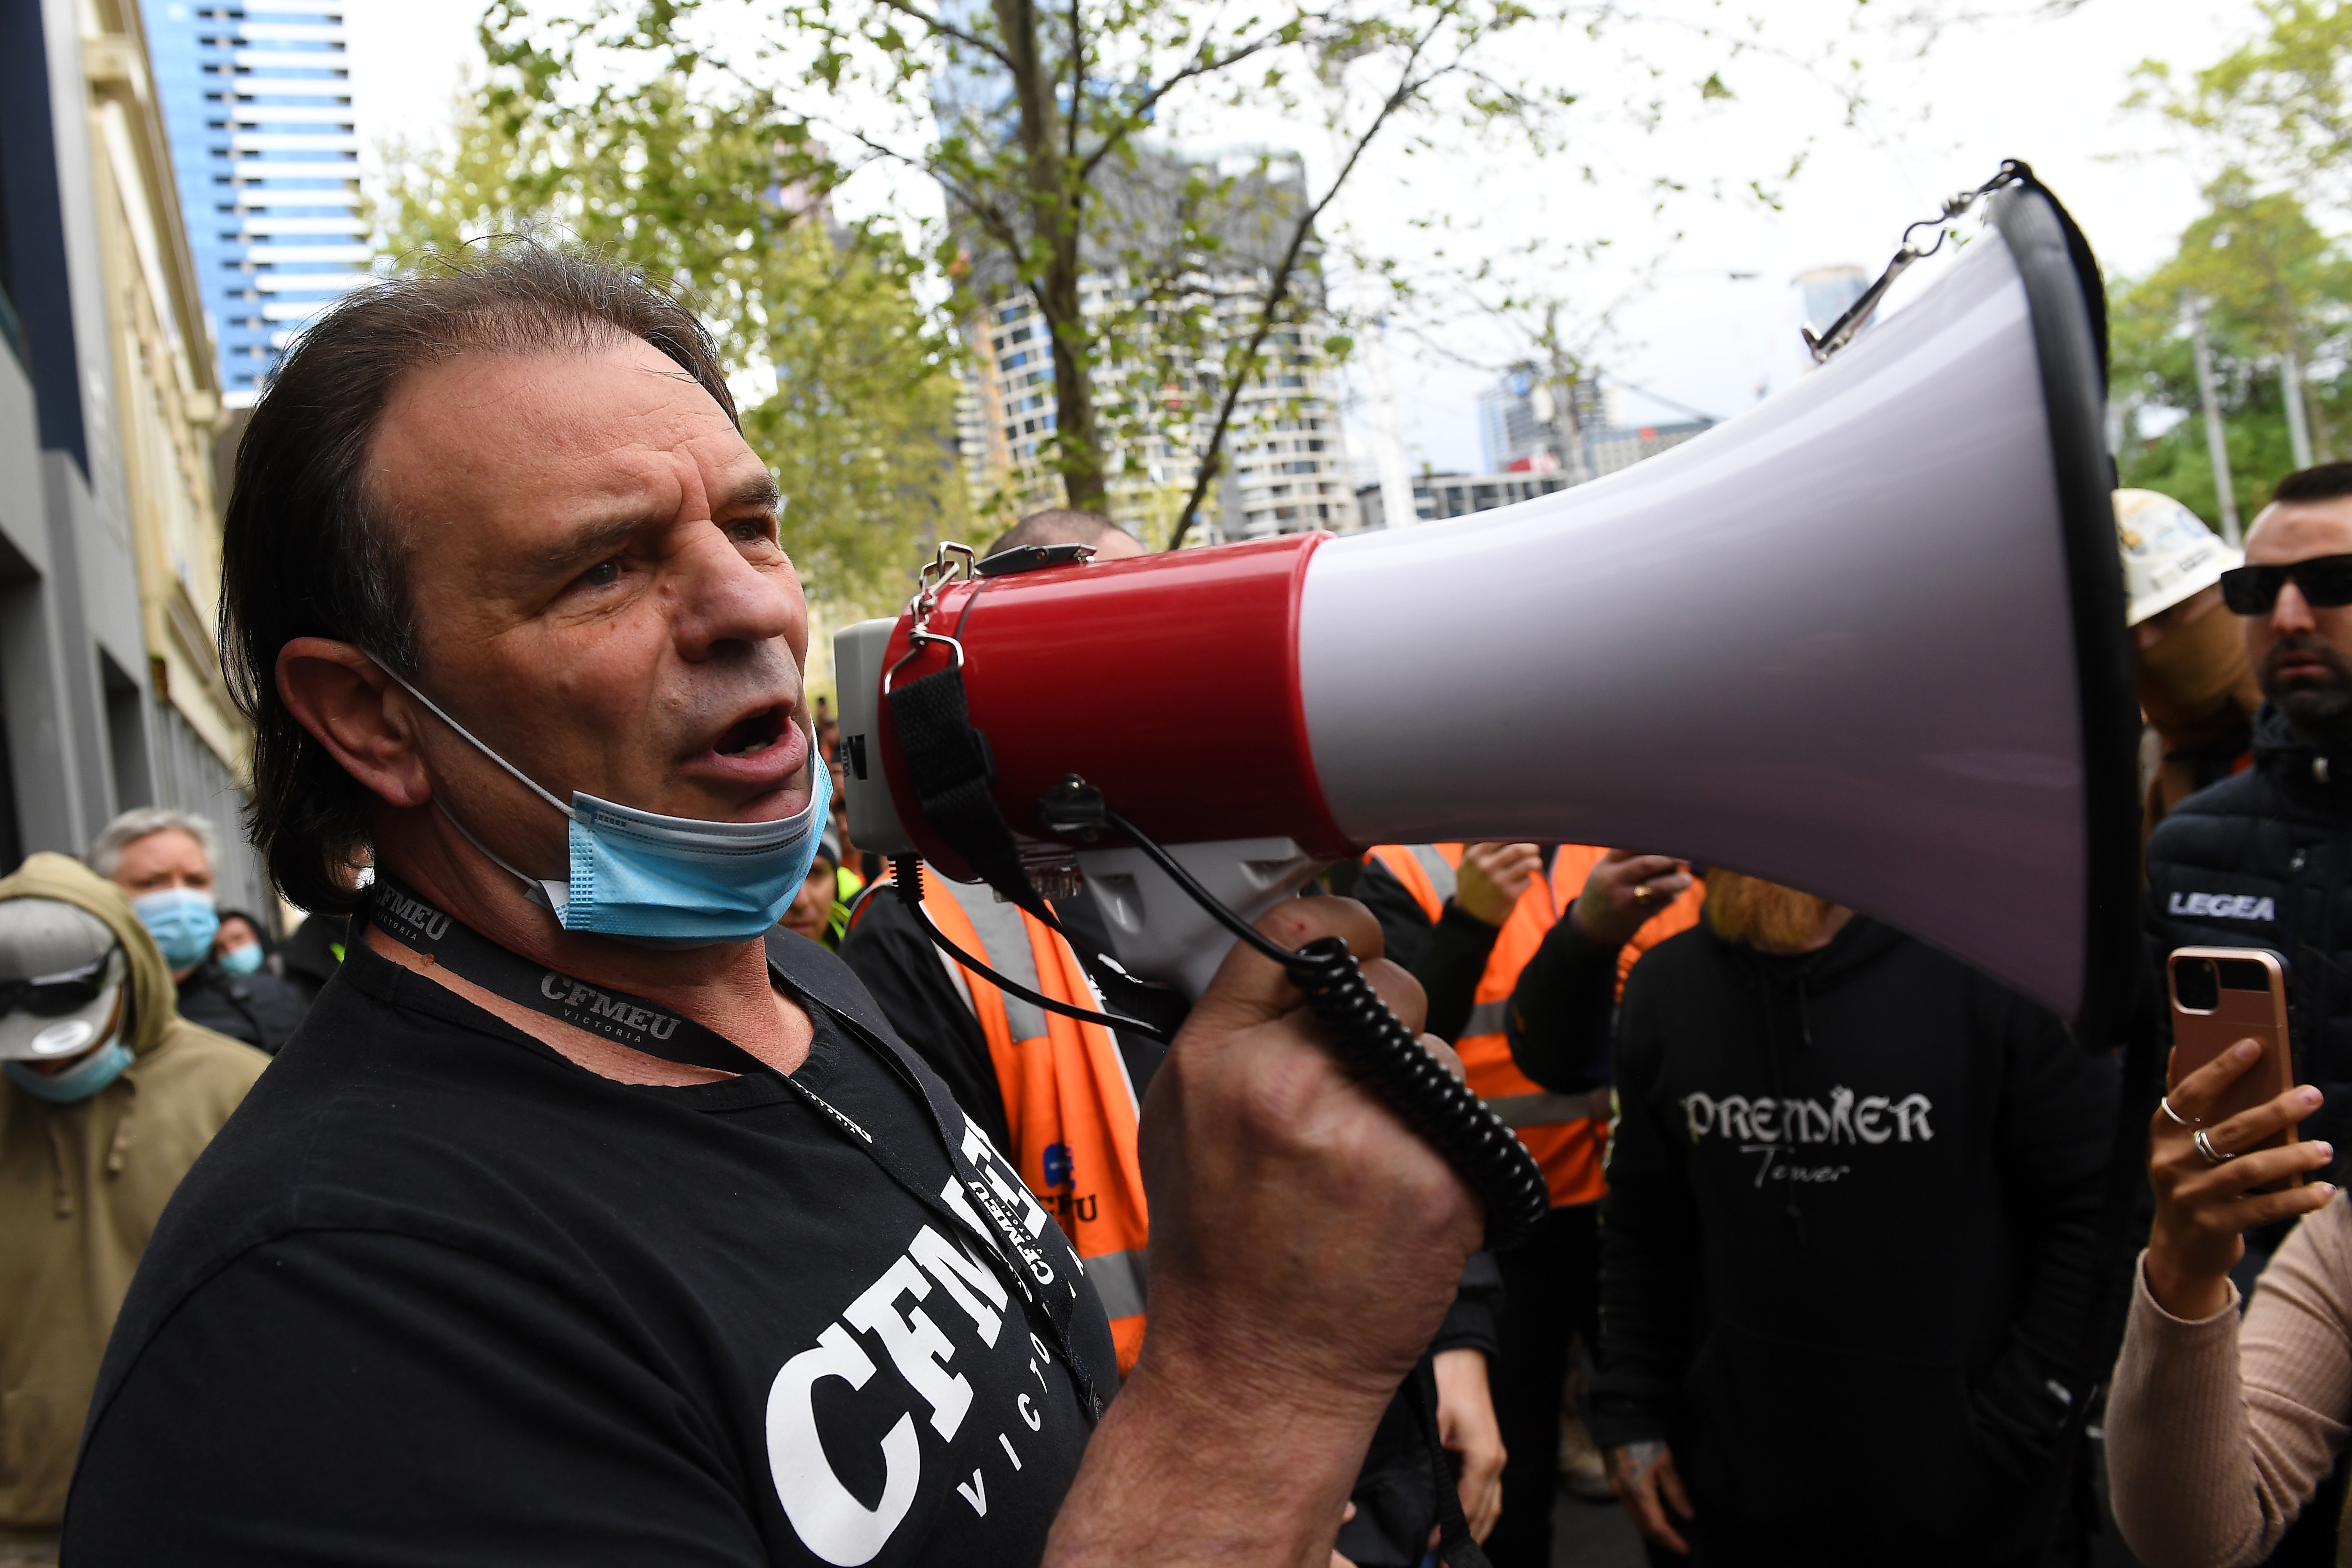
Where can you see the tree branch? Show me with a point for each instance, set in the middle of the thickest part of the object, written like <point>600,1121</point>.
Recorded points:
<point>1199,66</point>
<point>1407,89</point>
<point>933,23</point>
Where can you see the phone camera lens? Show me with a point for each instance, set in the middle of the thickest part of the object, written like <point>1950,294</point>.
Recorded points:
<point>2196,985</point>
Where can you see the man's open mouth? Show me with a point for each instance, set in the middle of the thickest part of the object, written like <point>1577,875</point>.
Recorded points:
<point>749,736</point>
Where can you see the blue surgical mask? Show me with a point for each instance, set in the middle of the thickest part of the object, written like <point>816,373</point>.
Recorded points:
<point>671,882</point>
<point>182,922</point>
<point>80,1082</point>
<point>245,960</point>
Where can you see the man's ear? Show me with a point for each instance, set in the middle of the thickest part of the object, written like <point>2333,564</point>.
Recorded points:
<point>354,710</point>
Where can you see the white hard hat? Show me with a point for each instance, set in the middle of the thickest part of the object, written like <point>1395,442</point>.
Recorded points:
<point>2168,552</point>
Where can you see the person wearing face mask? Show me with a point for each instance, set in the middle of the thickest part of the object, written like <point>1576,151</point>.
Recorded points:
<point>240,947</point>
<point>580,1206</point>
<point>162,861</point>
<point>107,1096</point>
<point>2189,661</point>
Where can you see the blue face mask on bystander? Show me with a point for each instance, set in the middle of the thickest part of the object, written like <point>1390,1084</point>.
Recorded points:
<point>80,1082</point>
<point>182,920</point>
<point>241,960</point>
<point>670,881</point>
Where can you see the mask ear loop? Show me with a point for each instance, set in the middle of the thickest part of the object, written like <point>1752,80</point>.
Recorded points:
<point>466,735</point>
<point>534,888</point>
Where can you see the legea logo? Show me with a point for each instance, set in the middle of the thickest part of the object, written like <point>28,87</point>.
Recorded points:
<point>2223,905</point>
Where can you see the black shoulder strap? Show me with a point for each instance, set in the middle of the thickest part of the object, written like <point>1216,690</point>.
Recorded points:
<point>818,972</point>
<point>948,764</point>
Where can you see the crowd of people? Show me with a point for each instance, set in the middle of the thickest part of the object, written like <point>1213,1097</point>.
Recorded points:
<point>573,1220</point>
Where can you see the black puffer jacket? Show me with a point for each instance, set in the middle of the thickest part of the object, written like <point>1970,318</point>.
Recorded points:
<point>258,1009</point>
<point>2263,859</point>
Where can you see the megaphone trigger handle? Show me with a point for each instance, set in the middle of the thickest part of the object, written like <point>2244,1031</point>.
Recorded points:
<point>1387,1058</point>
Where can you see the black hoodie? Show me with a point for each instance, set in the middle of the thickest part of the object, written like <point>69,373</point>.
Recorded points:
<point>1854,1205</point>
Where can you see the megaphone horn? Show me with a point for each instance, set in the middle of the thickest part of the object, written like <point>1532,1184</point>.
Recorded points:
<point>1867,640</point>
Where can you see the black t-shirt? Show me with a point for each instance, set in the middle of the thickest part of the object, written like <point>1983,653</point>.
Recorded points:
<point>437,1294</point>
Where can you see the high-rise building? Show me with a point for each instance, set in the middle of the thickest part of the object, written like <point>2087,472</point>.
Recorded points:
<point>1285,468</point>
<point>1519,422</point>
<point>256,98</point>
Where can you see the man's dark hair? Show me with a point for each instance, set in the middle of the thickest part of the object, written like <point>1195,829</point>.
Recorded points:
<point>309,548</point>
<point>1055,525</point>
<point>2320,482</point>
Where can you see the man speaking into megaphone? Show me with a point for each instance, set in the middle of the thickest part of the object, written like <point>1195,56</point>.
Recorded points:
<point>571,1229</point>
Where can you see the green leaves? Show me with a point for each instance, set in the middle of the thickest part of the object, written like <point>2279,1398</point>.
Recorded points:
<point>712,188</point>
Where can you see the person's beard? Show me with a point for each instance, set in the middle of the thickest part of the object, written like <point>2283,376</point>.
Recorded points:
<point>2321,709</point>
<point>1749,909</point>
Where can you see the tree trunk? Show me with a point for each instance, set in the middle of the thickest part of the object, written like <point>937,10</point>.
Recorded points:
<point>2299,428</point>
<point>1055,215</point>
<point>2216,446</point>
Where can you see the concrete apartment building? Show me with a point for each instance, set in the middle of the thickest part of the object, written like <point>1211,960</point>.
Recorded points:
<point>1286,463</point>
<point>110,693</point>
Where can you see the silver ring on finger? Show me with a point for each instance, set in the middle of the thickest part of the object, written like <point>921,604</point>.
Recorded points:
<point>2213,1156</point>
<point>2179,1120</point>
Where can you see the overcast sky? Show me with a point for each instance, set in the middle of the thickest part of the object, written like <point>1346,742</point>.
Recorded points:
<point>2047,91</point>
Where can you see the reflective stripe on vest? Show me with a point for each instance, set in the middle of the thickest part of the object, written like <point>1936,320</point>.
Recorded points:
<point>1562,1131</point>
<point>1426,871</point>
<point>1069,1107</point>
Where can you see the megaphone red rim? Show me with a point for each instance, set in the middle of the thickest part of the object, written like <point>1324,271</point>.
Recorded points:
<point>1186,644</point>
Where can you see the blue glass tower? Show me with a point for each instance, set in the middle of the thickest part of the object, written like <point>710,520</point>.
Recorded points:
<point>257,103</point>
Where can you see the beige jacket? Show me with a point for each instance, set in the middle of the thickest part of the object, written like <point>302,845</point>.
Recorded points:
<point>2218,1431</point>
<point>82,1187</point>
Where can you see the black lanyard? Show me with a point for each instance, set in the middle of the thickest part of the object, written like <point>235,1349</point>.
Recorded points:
<point>631,1020</point>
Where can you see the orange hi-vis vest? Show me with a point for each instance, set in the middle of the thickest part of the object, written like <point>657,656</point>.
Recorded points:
<point>1563,1131</point>
<point>1068,1102</point>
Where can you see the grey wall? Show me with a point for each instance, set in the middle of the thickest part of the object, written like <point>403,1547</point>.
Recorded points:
<point>81,737</point>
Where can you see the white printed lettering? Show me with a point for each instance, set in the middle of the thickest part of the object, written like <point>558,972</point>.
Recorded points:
<point>1866,1119</point>
<point>830,1521</point>
<point>961,1277</point>
<point>993,1167</point>
<point>1008,1450</point>
<point>1698,1114</point>
<point>917,1346</point>
<point>975,1492</point>
<point>2223,905</point>
<point>1028,1415</point>
<point>1909,1106</point>
<point>961,1201</point>
<point>1734,1111</point>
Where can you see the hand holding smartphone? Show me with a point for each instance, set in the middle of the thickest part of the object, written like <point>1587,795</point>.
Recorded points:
<point>2220,997</point>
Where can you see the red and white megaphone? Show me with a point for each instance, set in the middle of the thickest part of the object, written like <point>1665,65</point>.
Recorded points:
<point>1867,640</point>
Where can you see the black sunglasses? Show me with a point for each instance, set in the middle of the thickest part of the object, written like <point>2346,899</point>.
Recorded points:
<point>55,996</point>
<point>2325,581</point>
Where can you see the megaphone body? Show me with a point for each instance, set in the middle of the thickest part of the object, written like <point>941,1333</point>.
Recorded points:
<point>1865,640</point>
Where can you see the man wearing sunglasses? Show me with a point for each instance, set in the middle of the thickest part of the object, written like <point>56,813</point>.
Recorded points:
<point>2263,859</point>
<point>109,1096</point>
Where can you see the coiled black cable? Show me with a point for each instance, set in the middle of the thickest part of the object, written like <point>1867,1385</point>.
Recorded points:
<point>1389,1059</point>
